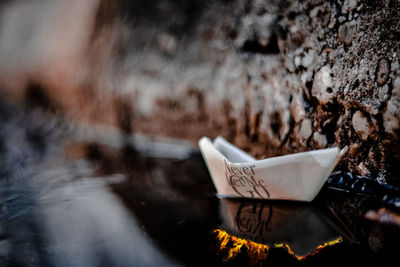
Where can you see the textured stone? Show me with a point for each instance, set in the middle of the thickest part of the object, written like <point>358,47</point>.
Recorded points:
<point>382,71</point>
<point>392,114</point>
<point>360,125</point>
<point>297,110</point>
<point>322,86</point>
<point>273,77</point>
<point>306,129</point>
<point>348,6</point>
<point>320,139</point>
<point>347,31</point>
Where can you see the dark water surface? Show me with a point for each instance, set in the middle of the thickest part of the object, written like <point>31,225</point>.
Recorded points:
<point>70,196</point>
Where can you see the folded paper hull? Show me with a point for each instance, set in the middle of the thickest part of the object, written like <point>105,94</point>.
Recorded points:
<point>292,177</point>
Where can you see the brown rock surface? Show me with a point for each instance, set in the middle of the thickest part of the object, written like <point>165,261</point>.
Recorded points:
<point>271,76</point>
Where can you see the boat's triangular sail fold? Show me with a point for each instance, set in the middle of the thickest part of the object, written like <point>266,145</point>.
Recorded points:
<point>231,152</point>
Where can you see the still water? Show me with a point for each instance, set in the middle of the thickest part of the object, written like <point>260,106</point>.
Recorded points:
<point>71,196</point>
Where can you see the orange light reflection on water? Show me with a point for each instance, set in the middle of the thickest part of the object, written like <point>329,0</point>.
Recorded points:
<point>259,252</point>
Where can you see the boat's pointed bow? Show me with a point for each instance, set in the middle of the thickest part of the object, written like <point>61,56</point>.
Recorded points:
<point>215,163</point>
<point>327,160</point>
<point>327,157</point>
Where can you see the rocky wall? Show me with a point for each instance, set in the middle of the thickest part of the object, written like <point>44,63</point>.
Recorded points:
<point>273,77</point>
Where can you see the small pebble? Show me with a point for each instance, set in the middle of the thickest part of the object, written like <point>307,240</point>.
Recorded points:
<point>346,32</point>
<point>382,71</point>
<point>360,125</point>
<point>320,139</point>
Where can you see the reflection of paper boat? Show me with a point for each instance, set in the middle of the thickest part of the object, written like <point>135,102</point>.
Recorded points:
<point>292,177</point>
<point>301,229</point>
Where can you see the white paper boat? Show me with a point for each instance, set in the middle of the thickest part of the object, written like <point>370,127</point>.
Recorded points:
<point>297,176</point>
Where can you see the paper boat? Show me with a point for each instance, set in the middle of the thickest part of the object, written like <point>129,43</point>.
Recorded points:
<point>297,176</point>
